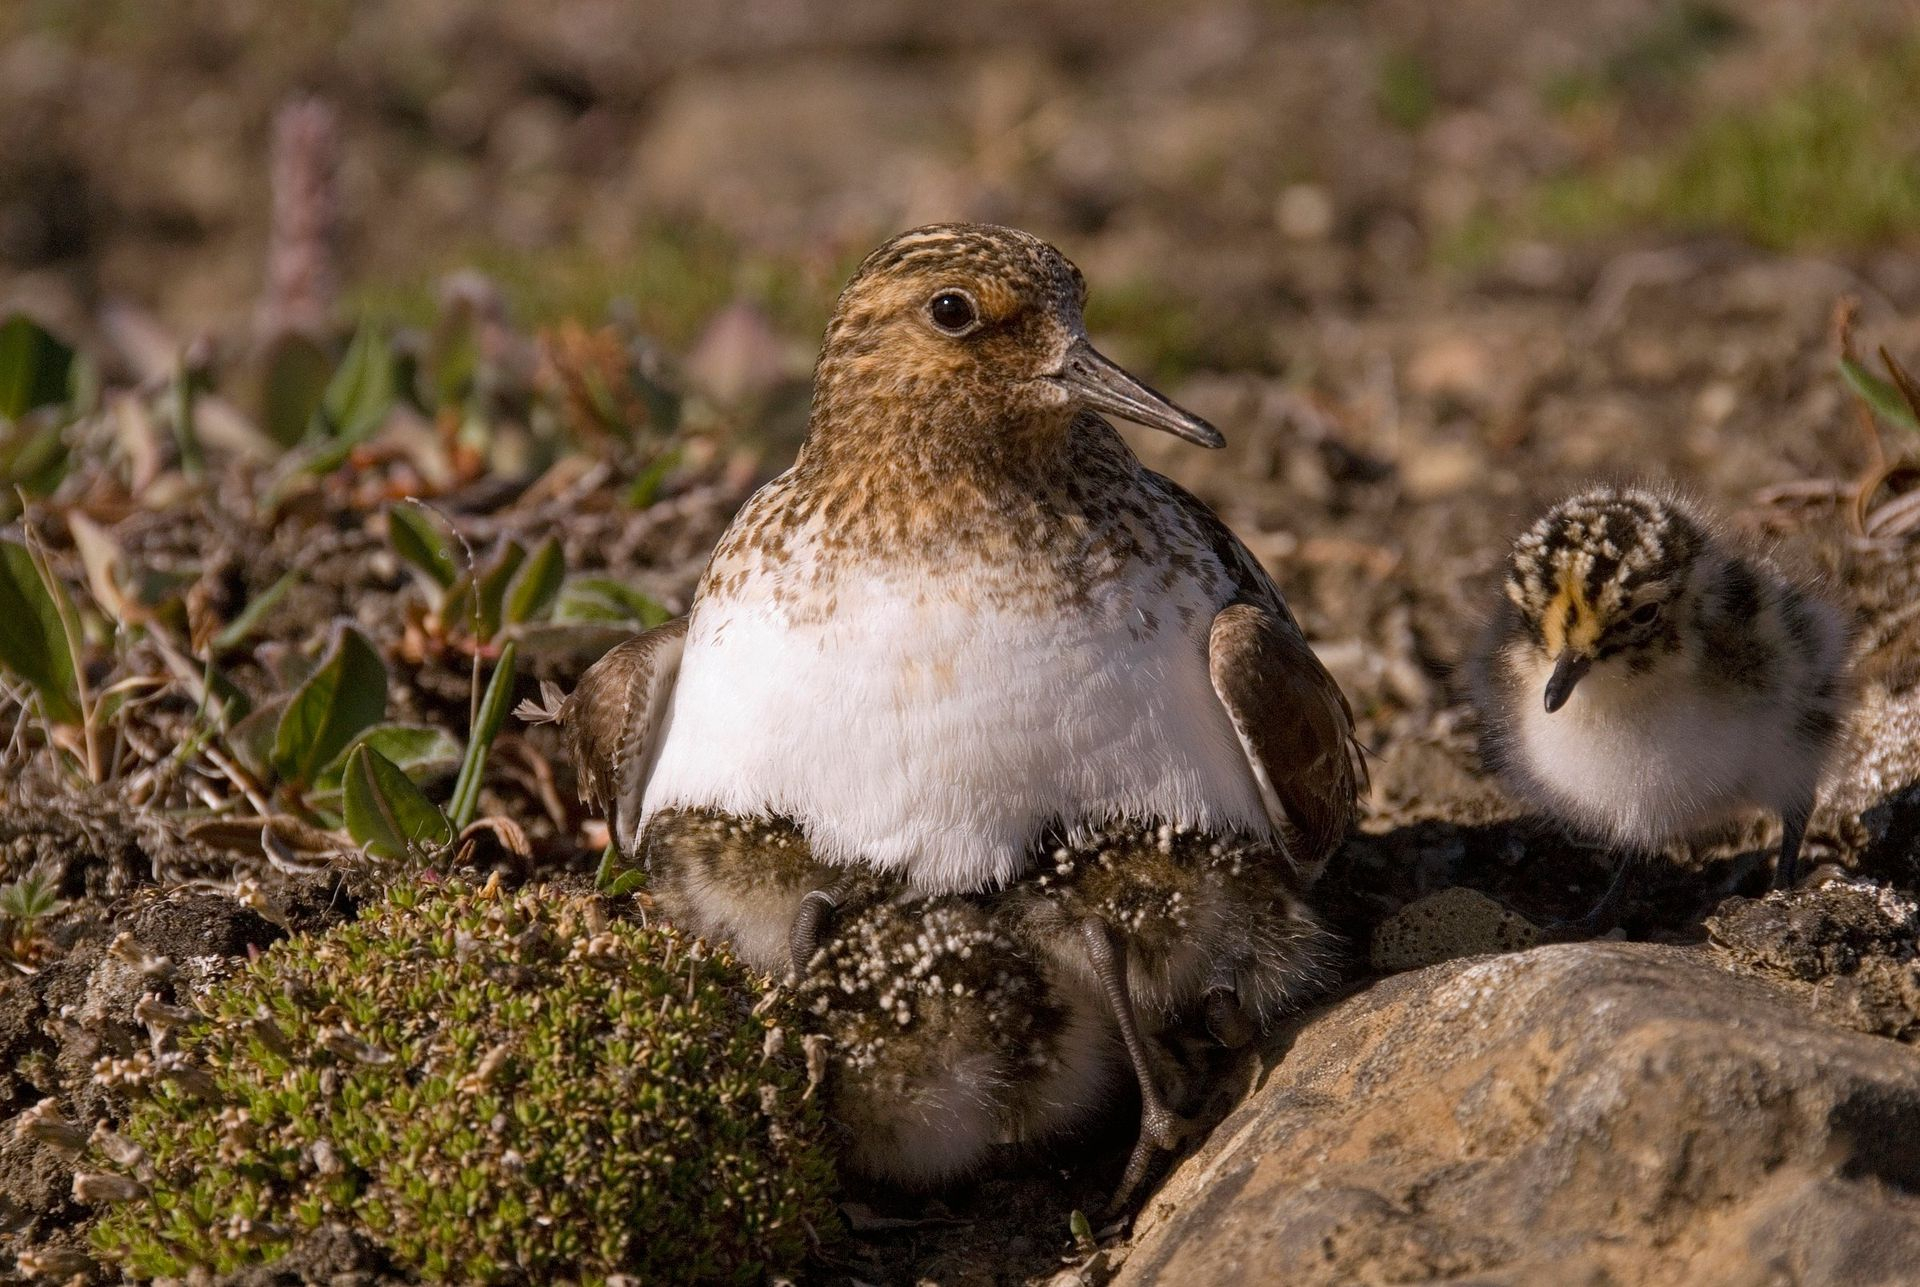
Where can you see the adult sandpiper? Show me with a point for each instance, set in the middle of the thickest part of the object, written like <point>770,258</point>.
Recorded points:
<point>968,611</point>
<point>968,614</point>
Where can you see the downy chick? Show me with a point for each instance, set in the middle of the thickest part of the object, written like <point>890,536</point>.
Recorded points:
<point>1160,921</point>
<point>1117,933</point>
<point>1646,675</point>
<point>946,1041</point>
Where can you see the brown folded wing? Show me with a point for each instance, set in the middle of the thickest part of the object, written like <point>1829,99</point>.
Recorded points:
<point>1294,724</point>
<point>612,722</point>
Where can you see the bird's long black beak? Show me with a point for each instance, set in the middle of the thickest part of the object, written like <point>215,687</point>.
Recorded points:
<point>1096,382</point>
<point>1567,672</point>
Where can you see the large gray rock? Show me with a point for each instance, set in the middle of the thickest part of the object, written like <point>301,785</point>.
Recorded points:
<point>1586,1113</point>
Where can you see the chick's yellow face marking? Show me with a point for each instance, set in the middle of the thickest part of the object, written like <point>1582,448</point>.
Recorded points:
<point>1570,621</point>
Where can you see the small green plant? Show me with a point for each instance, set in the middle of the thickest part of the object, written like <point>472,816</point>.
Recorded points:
<point>35,641</point>
<point>488,1089</point>
<point>512,589</point>
<point>36,401</point>
<point>1886,500</point>
<point>599,600</point>
<point>389,816</point>
<point>614,879</point>
<point>386,814</point>
<point>23,905</point>
<point>343,698</point>
<point>320,412</point>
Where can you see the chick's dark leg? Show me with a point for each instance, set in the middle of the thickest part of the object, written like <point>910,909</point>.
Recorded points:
<point>1160,1126</point>
<point>811,921</point>
<point>1793,830</point>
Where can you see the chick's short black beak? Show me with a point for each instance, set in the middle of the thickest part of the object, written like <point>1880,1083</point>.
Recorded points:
<point>1567,672</point>
<point>1094,381</point>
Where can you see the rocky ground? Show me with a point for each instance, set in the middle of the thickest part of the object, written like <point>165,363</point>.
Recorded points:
<point>1407,262</point>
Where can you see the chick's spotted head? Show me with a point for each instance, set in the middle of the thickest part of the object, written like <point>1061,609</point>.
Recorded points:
<point>1603,578</point>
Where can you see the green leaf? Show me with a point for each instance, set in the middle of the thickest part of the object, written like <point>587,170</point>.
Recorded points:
<point>292,384</point>
<point>613,879</point>
<point>1879,394</point>
<point>34,367</point>
<point>419,539</point>
<point>33,455</point>
<point>419,750</point>
<point>645,487</point>
<point>599,599</point>
<point>33,634</point>
<point>493,713</point>
<point>387,815</point>
<point>533,588</point>
<point>251,736</point>
<point>362,390</point>
<point>317,460</point>
<point>33,897</point>
<point>241,628</point>
<point>454,358</point>
<point>345,696</point>
<point>490,591</point>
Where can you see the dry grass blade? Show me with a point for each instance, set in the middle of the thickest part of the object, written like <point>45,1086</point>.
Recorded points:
<point>1900,478</point>
<point>1895,519</point>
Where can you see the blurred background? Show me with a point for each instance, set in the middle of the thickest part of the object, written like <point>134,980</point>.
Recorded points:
<point>1223,171</point>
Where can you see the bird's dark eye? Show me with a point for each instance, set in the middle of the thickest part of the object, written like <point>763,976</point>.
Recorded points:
<point>1646,614</point>
<point>952,311</point>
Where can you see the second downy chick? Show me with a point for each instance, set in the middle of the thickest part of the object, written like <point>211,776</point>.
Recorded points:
<point>946,1041</point>
<point>1647,675</point>
<point>1158,921</point>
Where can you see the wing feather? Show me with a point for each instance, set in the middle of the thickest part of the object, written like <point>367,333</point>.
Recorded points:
<point>612,722</point>
<point>1294,724</point>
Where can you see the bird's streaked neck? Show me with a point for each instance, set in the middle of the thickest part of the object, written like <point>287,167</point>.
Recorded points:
<point>919,439</point>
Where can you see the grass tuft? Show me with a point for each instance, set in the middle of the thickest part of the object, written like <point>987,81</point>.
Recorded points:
<point>488,1089</point>
<point>1832,164</point>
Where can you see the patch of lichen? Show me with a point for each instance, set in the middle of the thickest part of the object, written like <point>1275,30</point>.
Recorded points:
<point>487,1089</point>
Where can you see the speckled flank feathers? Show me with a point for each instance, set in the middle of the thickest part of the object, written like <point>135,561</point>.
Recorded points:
<point>1698,680</point>
<point>612,720</point>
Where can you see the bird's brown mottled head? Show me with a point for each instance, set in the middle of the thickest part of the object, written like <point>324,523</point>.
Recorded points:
<point>969,338</point>
<point>1603,574</point>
